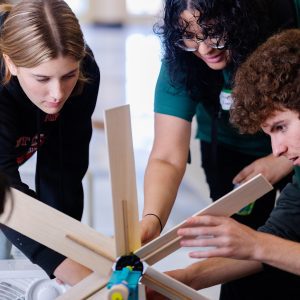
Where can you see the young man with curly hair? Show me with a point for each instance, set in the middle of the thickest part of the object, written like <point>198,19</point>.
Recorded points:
<point>266,96</point>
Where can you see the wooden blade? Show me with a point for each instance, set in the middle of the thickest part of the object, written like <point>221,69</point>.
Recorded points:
<point>100,295</point>
<point>225,206</point>
<point>59,232</point>
<point>85,289</point>
<point>123,179</point>
<point>168,286</point>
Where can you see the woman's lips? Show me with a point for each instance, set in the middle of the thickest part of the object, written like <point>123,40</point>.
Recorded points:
<point>214,58</point>
<point>53,104</point>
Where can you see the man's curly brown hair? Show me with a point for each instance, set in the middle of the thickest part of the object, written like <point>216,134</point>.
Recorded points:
<point>268,81</point>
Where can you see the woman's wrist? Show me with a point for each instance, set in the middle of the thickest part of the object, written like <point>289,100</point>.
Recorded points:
<point>157,218</point>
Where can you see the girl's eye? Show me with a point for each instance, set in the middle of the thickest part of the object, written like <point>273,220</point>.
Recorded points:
<point>42,79</point>
<point>68,77</point>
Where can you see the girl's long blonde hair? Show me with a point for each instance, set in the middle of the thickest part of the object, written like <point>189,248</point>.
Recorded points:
<point>36,31</point>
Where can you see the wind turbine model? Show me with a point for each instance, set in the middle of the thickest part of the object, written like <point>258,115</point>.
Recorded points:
<point>98,252</point>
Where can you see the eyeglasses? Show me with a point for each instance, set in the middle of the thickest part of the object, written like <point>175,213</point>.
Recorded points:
<point>192,44</point>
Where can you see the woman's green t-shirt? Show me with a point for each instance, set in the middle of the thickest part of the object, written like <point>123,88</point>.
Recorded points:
<point>175,101</point>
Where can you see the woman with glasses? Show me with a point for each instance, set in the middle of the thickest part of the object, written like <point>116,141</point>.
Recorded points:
<point>204,43</point>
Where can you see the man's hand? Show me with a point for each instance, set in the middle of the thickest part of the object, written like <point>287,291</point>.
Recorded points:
<point>224,236</point>
<point>271,167</point>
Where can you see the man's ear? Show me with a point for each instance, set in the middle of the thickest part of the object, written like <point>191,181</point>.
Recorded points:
<point>10,65</point>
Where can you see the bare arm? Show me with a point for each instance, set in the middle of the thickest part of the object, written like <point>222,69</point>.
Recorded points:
<point>164,172</point>
<point>210,272</point>
<point>217,270</point>
<point>286,256</point>
<point>71,272</point>
<point>231,239</point>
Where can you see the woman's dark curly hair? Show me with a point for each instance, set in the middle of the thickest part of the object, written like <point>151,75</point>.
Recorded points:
<point>243,24</point>
<point>269,80</point>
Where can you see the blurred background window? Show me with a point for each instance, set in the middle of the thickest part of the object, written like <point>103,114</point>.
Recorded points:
<point>79,7</point>
<point>143,7</point>
<point>134,7</point>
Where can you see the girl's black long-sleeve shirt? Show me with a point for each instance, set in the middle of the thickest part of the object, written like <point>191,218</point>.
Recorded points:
<point>62,144</point>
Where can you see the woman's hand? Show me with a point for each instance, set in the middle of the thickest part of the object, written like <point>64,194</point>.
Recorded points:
<point>271,167</point>
<point>70,272</point>
<point>150,228</point>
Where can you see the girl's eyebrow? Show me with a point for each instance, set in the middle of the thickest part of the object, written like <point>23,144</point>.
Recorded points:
<point>45,76</point>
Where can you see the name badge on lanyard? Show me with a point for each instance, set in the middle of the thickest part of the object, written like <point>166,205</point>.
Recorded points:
<point>225,99</point>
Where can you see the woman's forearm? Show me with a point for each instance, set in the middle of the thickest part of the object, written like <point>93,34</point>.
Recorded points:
<point>162,180</point>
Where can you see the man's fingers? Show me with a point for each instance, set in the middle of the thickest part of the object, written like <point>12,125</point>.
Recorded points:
<point>198,231</point>
<point>205,241</point>
<point>203,225</point>
<point>205,220</point>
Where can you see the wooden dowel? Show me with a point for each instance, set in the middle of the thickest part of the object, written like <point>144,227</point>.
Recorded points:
<point>90,246</point>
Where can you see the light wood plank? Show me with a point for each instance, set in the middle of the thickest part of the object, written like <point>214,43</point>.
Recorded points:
<point>51,227</point>
<point>168,286</point>
<point>100,295</point>
<point>86,288</point>
<point>225,206</point>
<point>123,179</point>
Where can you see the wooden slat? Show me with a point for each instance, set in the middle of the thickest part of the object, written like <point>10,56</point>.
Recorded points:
<point>225,206</point>
<point>100,295</point>
<point>85,289</point>
<point>168,286</point>
<point>51,228</point>
<point>123,179</point>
